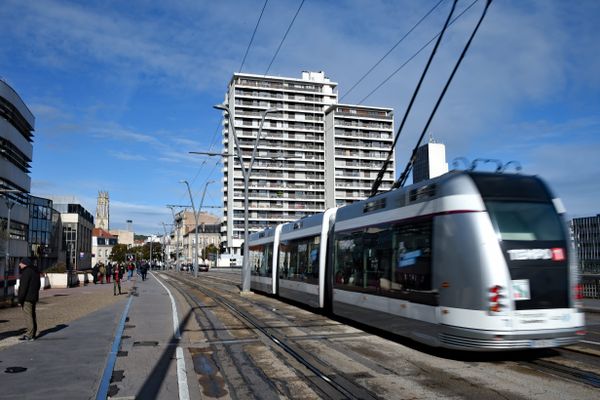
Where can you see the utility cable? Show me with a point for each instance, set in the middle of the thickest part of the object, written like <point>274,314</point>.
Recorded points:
<point>400,182</point>
<point>283,39</point>
<point>379,178</point>
<point>253,33</point>
<point>390,50</point>
<point>414,55</point>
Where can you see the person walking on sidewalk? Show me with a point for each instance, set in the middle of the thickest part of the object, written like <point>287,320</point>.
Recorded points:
<point>117,275</point>
<point>109,272</point>
<point>101,273</point>
<point>29,294</point>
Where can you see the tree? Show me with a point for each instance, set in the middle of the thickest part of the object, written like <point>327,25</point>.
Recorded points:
<point>119,253</point>
<point>210,249</point>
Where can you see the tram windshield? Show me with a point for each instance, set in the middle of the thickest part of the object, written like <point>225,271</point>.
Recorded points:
<point>525,221</point>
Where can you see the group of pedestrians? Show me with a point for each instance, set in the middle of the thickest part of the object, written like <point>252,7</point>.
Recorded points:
<point>29,286</point>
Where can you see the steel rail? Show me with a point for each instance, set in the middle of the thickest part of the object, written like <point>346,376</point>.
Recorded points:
<point>336,386</point>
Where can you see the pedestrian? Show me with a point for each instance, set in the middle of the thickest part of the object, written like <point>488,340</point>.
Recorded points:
<point>29,294</point>
<point>101,273</point>
<point>144,270</point>
<point>116,279</point>
<point>130,271</point>
<point>95,273</point>
<point>108,272</point>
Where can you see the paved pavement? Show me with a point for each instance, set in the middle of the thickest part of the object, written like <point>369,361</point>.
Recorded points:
<point>75,360</point>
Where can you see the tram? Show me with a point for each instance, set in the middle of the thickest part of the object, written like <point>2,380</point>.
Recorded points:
<point>468,260</point>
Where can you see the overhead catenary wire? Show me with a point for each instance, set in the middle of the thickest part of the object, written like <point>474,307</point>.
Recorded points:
<point>379,178</point>
<point>253,34</point>
<point>390,76</point>
<point>391,49</point>
<point>400,182</point>
<point>284,36</point>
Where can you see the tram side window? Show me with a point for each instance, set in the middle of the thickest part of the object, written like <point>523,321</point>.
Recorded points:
<point>299,259</point>
<point>257,259</point>
<point>362,259</point>
<point>386,259</point>
<point>412,256</point>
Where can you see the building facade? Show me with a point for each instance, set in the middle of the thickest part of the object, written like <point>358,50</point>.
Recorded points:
<point>586,238</point>
<point>16,152</point>
<point>357,142</point>
<point>430,161</point>
<point>102,244</point>
<point>183,240</point>
<point>304,161</point>
<point>45,233</point>
<point>77,225</point>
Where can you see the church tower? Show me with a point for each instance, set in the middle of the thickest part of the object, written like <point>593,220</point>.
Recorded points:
<point>102,211</point>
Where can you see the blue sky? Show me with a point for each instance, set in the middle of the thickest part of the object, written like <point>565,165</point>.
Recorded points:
<point>122,91</point>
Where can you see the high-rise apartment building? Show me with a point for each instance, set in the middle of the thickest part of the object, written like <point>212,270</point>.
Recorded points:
<point>357,142</point>
<point>312,155</point>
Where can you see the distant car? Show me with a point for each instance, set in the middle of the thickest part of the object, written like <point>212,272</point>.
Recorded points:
<point>185,268</point>
<point>203,267</point>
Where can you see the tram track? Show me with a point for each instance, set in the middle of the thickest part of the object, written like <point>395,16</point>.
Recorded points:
<point>370,361</point>
<point>327,381</point>
<point>575,363</point>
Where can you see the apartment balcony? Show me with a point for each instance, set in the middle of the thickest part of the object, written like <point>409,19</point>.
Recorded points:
<point>344,133</point>
<point>361,124</point>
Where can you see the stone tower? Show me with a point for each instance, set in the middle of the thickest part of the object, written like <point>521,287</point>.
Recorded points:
<point>102,211</point>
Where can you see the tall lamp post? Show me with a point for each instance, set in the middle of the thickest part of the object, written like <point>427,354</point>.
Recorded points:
<point>199,211</point>
<point>172,207</point>
<point>9,205</point>
<point>196,221</point>
<point>246,171</point>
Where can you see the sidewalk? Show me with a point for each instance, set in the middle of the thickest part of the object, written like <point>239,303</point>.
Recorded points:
<point>69,359</point>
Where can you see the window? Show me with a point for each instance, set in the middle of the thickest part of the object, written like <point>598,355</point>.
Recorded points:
<point>525,221</point>
<point>299,259</point>
<point>391,259</point>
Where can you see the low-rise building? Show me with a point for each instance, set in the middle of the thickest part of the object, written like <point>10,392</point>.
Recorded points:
<point>45,233</point>
<point>102,244</point>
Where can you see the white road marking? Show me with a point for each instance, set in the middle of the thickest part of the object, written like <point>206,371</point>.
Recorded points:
<point>184,393</point>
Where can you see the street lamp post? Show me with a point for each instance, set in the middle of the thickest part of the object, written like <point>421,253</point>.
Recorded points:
<point>196,216</point>
<point>199,211</point>
<point>246,171</point>
<point>177,263</point>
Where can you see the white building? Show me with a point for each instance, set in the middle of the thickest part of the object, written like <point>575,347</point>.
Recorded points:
<point>311,155</point>
<point>102,244</point>
<point>430,161</point>
<point>357,143</point>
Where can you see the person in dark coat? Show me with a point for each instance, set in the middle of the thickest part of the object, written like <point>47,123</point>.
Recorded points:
<point>117,275</point>
<point>29,294</point>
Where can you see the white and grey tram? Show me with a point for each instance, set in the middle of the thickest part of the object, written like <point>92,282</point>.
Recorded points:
<point>469,260</point>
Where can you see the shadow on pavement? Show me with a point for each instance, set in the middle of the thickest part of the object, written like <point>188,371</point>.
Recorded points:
<point>18,332</point>
<point>52,330</point>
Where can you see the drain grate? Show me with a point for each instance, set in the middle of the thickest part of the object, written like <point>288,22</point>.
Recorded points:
<point>129,326</point>
<point>122,353</point>
<point>112,390</point>
<point>146,343</point>
<point>117,376</point>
